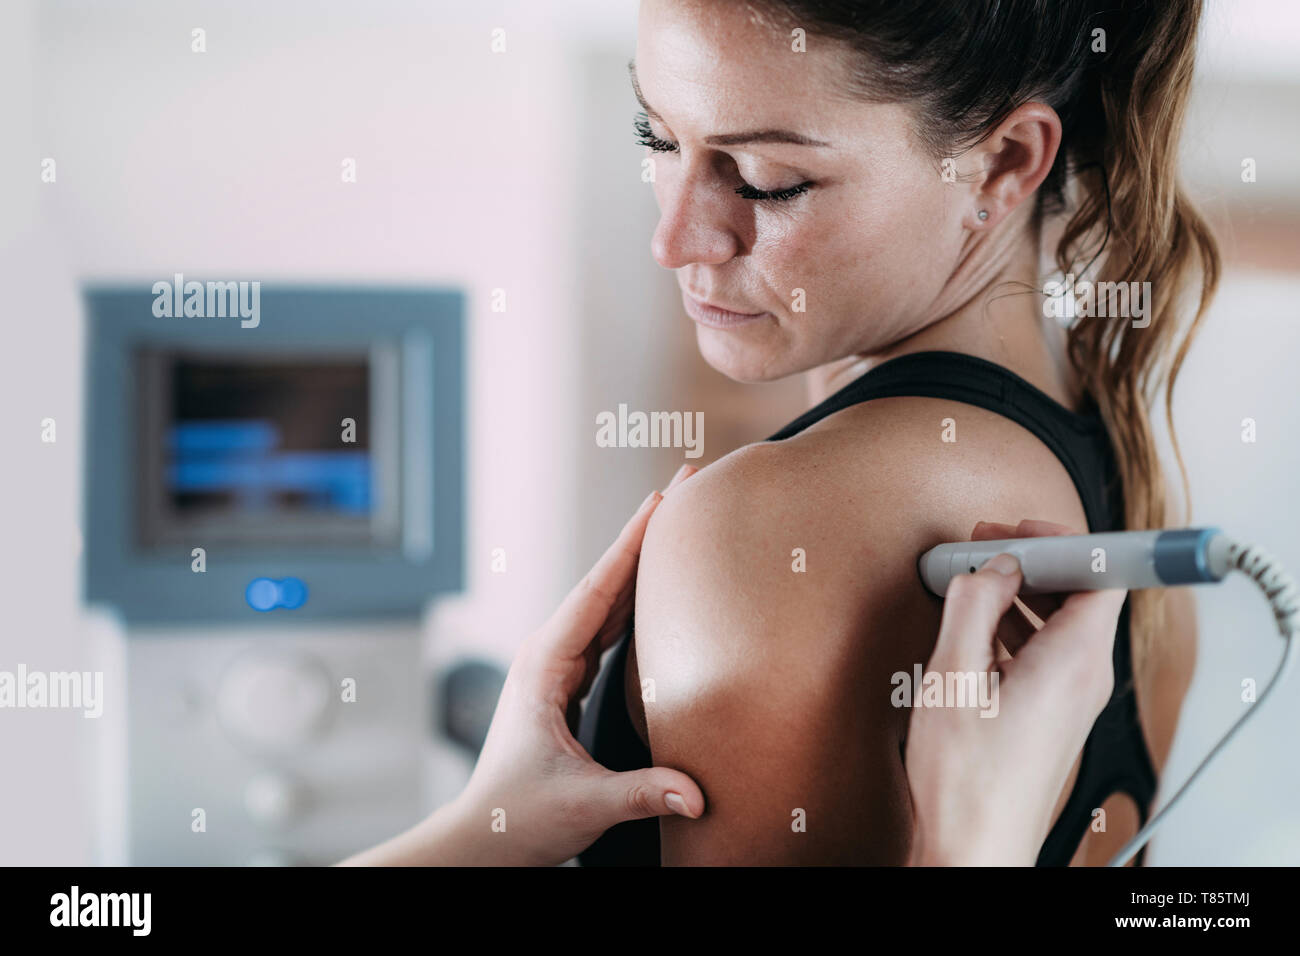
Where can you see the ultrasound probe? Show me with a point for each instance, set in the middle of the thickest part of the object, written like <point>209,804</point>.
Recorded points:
<point>1133,560</point>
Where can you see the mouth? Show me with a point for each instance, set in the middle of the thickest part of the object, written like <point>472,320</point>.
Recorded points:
<point>715,316</point>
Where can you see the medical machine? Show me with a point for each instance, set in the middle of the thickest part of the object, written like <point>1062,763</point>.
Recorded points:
<point>270,507</point>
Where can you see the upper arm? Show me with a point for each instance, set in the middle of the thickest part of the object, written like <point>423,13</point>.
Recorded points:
<point>764,690</point>
<point>772,685</point>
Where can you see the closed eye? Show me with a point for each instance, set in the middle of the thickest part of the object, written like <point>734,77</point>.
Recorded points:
<point>779,195</point>
<point>645,137</point>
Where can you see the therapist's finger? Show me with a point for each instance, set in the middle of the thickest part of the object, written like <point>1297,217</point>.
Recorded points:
<point>615,626</point>
<point>576,621</point>
<point>972,609</point>
<point>620,615</point>
<point>682,474</point>
<point>586,608</point>
<point>1043,605</point>
<point>1037,528</point>
<point>992,531</point>
<point>654,792</point>
<point>1078,641</point>
<point>1017,628</point>
<point>617,622</point>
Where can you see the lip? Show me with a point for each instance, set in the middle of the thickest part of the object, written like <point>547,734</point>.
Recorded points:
<point>715,316</point>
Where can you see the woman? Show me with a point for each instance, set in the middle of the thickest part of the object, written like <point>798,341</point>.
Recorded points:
<point>867,191</point>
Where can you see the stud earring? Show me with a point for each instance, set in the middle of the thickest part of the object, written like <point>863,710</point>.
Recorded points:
<point>983,214</point>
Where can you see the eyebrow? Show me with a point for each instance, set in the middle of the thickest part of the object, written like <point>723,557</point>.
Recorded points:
<point>729,139</point>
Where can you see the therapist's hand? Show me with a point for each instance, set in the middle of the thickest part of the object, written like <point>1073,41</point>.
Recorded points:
<point>984,788</point>
<point>536,798</point>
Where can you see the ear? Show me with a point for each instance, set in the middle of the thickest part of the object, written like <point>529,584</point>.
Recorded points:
<point>1014,159</point>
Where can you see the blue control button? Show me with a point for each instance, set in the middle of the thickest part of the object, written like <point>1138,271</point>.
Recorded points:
<point>293,593</point>
<point>265,594</point>
<point>262,594</point>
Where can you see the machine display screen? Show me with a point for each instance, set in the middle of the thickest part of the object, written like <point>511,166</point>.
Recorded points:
<point>254,449</point>
<point>268,439</point>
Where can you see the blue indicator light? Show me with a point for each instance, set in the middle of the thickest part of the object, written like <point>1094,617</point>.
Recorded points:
<point>265,594</point>
<point>262,595</point>
<point>293,593</point>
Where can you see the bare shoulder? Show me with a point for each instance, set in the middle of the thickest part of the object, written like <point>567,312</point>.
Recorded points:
<point>778,595</point>
<point>842,510</point>
<point>887,465</point>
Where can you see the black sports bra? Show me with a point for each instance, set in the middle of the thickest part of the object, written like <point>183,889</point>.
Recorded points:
<point>1115,757</point>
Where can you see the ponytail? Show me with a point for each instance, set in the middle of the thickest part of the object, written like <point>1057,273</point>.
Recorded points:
<point>1135,217</point>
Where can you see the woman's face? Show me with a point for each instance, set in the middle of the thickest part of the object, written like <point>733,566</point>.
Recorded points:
<point>816,215</point>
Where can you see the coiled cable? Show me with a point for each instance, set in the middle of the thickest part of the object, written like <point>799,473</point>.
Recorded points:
<point>1284,598</point>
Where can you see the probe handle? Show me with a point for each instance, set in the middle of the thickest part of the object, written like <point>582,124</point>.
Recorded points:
<point>1131,560</point>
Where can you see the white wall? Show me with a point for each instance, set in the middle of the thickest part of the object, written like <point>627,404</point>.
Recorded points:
<point>228,164</point>
<point>1244,810</point>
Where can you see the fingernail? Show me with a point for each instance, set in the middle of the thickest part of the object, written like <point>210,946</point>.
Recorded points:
<point>650,498</point>
<point>682,472</point>
<point>1003,564</point>
<point>676,804</point>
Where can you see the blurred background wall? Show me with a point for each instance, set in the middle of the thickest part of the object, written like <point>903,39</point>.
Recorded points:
<point>518,171</point>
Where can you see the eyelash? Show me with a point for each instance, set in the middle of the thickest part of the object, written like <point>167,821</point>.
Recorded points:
<point>647,138</point>
<point>746,191</point>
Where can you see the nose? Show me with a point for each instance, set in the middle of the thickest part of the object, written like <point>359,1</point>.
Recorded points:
<point>693,226</point>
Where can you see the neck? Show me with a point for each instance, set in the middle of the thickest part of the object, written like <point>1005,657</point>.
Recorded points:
<point>990,308</point>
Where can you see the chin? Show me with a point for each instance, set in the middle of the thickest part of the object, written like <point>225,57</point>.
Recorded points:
<point>742,361</point>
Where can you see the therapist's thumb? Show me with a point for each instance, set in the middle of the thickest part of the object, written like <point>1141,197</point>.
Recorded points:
<point>972,608</point>
<point>654,792</point>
